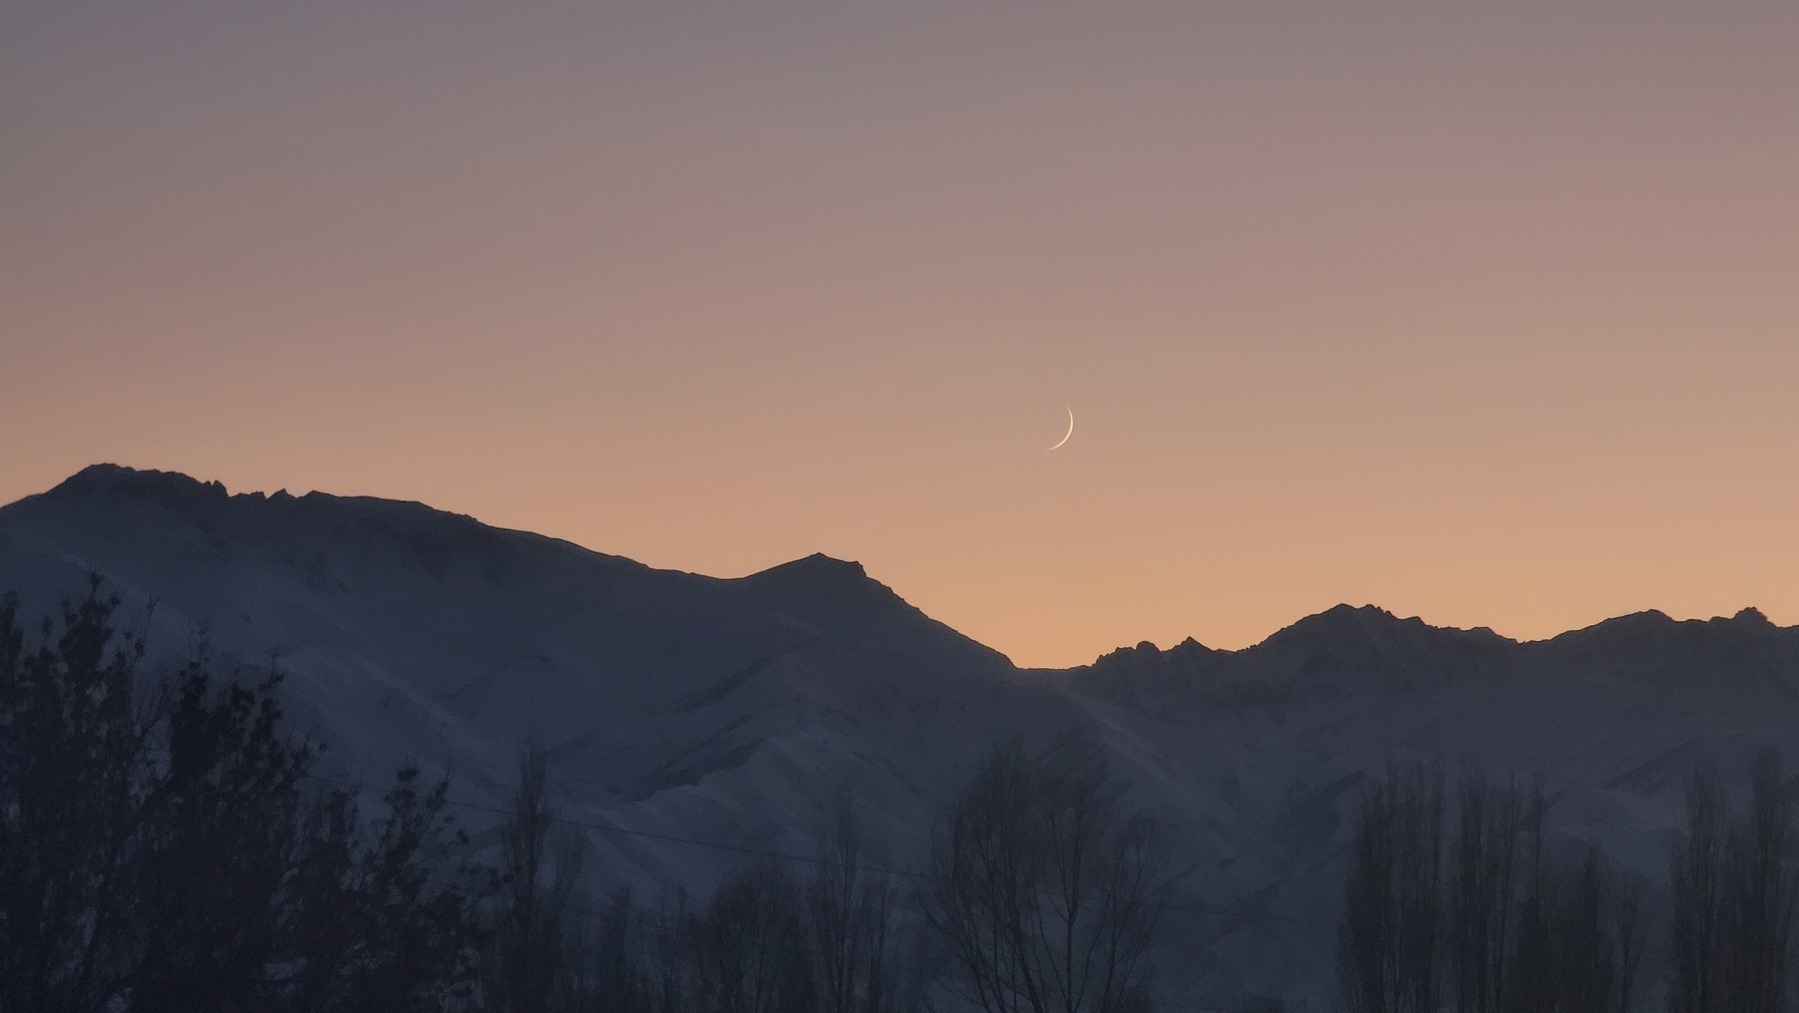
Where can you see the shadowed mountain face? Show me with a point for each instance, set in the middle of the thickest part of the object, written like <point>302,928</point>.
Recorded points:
<point>1349,651</point>
<point>728,710</point>
<point>1343,652</point>
<point>739,711</point>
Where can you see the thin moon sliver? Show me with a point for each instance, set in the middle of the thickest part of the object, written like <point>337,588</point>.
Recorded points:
<point>1066,435</point>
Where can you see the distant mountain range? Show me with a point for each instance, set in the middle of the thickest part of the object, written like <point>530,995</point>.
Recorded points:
<point>683,708</point>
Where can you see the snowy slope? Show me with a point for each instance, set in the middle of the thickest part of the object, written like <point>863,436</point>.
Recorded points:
<point>726,710</point>
<point>739,711</point>
<point>1613,719</point>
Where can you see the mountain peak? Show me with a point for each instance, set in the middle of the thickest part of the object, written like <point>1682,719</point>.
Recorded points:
<point>1345,620</point>
<point>818,584</point>
<point>838,597</point>
<point>169,488</point>
<point>813,569</point>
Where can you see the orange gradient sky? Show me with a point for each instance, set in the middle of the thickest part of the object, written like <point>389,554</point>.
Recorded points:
<point>1484,313</point>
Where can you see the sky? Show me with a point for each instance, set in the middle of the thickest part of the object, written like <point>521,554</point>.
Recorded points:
<point>1483,313</point>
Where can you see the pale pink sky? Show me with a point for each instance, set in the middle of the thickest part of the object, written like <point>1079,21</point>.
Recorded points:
<point>1485,313</point>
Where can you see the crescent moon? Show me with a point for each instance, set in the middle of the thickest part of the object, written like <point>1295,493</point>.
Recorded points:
<point>1067,434</point>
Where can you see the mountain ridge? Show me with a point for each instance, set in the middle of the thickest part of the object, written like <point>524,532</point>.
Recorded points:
<point>176,490</point>
<point>738,710</point>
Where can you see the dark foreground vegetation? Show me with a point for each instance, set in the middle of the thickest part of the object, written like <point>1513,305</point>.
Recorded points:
<point>1456,902</point>
<point>174,852</point>
<point>180,849</point>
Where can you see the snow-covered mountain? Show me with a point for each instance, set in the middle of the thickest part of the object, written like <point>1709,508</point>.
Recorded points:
<point>740,711</point>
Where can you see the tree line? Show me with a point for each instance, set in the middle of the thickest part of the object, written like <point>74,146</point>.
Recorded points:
<point>170,845</point>
<point>167,851</point>
<point>1456,903</point>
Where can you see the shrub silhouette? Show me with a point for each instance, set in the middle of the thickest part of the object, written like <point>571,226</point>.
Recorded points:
<point>174,850</point>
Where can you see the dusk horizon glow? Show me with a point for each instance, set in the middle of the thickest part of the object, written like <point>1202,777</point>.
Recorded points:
<point>1485,316</point>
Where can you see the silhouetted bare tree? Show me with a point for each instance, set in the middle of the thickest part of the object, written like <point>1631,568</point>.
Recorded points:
<point>615,962</point>
<point>1759,893</point>
<point>1522,931</point>
<point>1482,884</point>
<point>749,945</point>
<point>533,923</point>
<point>1696,877</point>
<point>1387,945</point>
<point>1733,892</point>
<point>850,910</point>
<point>1046,895</point>
<point>1627,915</point>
